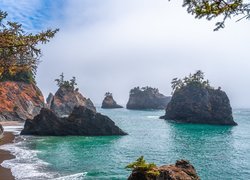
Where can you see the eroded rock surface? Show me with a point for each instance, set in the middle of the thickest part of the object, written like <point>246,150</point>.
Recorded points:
<point>19,101</point>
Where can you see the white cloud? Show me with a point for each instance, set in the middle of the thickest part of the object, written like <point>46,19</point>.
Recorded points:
<point>115,45</point>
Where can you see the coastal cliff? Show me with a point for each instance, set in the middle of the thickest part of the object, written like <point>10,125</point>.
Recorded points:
<point>109,102</point>
<point>19,101</point>
<point>82,121</point>
<point>65,99</point>
<point>195,101</point>
<point>147,98</point>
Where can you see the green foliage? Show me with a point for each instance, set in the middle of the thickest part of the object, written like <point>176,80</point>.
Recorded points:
<point>211,9</point>
<point>149,169</point>
<point>146,89</point>
<point>196,79</point>
<point>61,83</point>
<point>19,54</point>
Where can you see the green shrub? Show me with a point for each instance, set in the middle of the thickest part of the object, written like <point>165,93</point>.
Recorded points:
<point>149,169</point>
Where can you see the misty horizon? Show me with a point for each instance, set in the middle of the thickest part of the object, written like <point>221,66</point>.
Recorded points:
<point>116,45</point>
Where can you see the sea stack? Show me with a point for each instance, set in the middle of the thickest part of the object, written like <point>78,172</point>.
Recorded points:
<point>195,101</point>
<point>66,98</point>
<point>82,122</point>
<point>19,101</point>
<point>147,98</point>
<point>109,102</point>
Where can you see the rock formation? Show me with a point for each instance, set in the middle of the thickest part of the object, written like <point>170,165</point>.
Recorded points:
<point>147,98</point>
<point>1,131</point>
<point>82,121</point>
<point>49,100</point>
<point>181,170</point>
<point>109,102</point>
<point>19,101</point>
<point>65,99</point>
<point>199,104</point>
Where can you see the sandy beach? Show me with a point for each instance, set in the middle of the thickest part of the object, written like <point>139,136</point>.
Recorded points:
<point>5,173</point>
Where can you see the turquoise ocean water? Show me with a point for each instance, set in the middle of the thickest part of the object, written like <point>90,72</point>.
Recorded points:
<point>217,152</point>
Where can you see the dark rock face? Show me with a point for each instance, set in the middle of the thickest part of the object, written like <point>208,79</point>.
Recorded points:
<point>194,104</point>
<point>147,98</point>
<point>82,121</point>
<point>66,99</point>
<point>181,170</point>
<point>19,101</point>
<point>1,131</point>
<point>49,100</point>
<point>110,103</point>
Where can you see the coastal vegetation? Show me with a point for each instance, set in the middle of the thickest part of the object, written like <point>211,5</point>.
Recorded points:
<point>196,79</point>
<point>218,8</point>
<point>61,83</point>
<point>141,166</point>
<point>19,52</point>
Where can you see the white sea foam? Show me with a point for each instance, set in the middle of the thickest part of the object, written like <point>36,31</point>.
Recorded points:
<point>26,165</point>
<point>153,117</point>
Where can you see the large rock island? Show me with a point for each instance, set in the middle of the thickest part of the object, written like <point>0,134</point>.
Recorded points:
<point>147,98</point>
<point>19,101</point>
<point>195,101</point>
<point>109,102</point>
<point>82,121</point>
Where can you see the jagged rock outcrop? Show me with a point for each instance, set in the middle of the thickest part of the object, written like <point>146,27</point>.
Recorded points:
<point>181,170</point>
<point>82,121</point>
<point>49,100</point>
<point>65,99</point>
<point>19,101</point>
<point>197,104</point>
<point>147,98</point>
<point>110,103</point>
<point>1,131</point>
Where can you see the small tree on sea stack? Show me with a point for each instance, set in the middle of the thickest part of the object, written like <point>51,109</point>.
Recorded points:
<point>61,83</point>
<point>107,94</point>
<point>196,79</point>
<point>19,54</point>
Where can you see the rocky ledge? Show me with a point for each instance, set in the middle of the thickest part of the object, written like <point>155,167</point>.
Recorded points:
<point>82,121</point>
<point>65,99</point>
<point>199,104</point>
<point>181,170</point>
<point>109,102</point>
<point>147,98</point>
<point>19,101</point>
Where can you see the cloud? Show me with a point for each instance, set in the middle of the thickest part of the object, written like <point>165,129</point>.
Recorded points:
<point>115,45</point>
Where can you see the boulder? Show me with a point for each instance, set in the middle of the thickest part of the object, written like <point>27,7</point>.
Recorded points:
<point>181,170</point>
<point>65,99</point>
<point>147,98</point>
<point>198,104</point>
<point>82,121</point>
<point>19,101</point>
<point>110,103</point>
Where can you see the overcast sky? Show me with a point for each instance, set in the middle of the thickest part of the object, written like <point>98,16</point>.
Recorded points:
<point>115,45</point>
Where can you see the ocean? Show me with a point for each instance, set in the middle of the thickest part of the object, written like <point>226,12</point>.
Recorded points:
<point>217,152</point>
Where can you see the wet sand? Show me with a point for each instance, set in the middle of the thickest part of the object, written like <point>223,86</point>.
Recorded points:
<point>5,173</point>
